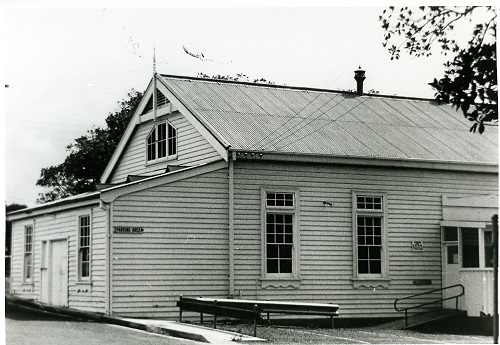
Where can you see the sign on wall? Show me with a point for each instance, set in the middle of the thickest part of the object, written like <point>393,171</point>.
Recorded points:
<point>127,230</point>
<point>417,246</point>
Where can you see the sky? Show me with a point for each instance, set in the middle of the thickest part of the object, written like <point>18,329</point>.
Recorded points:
<point>67,67</point>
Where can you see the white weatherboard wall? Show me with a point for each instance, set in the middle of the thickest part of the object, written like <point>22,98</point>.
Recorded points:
<point>480,281</point>
<point>182,251</point>
<point>192,149</point>
<point>56,226</point>
<point>414,211</point>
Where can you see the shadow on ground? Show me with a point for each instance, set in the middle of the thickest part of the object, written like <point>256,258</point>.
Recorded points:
<point>21,313</point>
<point>461,326</point>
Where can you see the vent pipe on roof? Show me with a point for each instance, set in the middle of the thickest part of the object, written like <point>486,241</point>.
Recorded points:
<point>359,75</point>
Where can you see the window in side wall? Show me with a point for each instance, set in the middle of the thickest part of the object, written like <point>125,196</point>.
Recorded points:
<point>280,234</point>
<point>28,253</point>
<point>470,247</point>
<point>161,142</point>
<point>84,246</point>
<point>370,236</point>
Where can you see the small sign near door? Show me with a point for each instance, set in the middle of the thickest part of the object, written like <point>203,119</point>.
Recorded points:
<point>417,246</point>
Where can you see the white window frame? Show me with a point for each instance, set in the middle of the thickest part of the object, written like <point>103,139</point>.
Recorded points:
<point>460,242</point>
<point>168,141</point>
<point>382,213</point>
<point>80,247</point>
<point>28,251</point>
<point>293,277</point>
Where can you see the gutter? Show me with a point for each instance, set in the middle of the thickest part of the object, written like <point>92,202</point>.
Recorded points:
<point>365,161</point>
<point>55,206</point>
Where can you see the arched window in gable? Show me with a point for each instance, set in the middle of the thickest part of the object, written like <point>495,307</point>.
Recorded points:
<point>161,142</point>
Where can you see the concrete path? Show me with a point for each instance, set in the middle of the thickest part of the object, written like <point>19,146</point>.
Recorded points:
<point>171,328</point>
<point>193,332</point>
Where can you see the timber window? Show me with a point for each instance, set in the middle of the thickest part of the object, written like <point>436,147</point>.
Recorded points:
<point>280,247</point>
<point>28,253</point>
<point>369,236</point>
<point>84,243</point>
<point>161,142</point>
<point>469,247</point>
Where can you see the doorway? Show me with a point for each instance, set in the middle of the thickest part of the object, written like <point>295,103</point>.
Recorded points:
<point>54,284</point>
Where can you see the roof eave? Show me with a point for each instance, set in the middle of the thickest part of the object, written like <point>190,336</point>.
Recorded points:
<point>127,134</point>
<point>365,161</point>
<point>55,206</point>
<point>109,195</point>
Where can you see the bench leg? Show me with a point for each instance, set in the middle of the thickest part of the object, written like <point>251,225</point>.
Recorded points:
<point>215,314</point>
<point>332,322</point>
<point>255,308</point>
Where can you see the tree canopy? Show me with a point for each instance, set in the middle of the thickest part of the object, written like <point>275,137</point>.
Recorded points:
<point>469,82</point>
<point>14,207</point>
<point>88,155</point>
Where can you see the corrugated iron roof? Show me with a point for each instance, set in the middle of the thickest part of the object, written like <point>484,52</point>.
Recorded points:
<point>306,121</point>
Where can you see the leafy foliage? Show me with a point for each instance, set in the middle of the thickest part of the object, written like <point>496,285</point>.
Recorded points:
<point>470,78</point>
<point>88,155</point>
<point>239,77</point>
<point>14,207</point>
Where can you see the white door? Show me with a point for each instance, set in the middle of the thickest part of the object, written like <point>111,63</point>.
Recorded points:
<point>58,285</point>
<point>44,275</point>
<point>450,273</point>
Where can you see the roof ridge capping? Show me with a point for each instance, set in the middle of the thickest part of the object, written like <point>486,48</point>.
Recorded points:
<point>301,88</point>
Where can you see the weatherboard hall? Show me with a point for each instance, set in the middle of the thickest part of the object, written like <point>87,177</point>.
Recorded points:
<point>239,190</point>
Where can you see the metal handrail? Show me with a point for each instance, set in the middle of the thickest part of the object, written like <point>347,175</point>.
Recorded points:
<point>428,303</point>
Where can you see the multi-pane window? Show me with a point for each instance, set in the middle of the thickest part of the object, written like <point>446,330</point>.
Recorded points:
<point>279,238</point>
<point>369,244</point>
<point>279,233</point>
<point>369,202</point>
<point>28,253</point>
<point>84,247</point>
<point>469,247</point>
<point>161,142</point>
<point>369,219</point>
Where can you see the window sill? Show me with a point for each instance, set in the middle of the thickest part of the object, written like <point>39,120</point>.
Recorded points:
<point>28,287</point>
<point>370,283</point>
<point>476,269</point>
<point>280,283</point>
<point>83,286</point>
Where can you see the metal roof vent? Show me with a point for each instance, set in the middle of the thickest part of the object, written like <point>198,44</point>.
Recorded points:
<point>359,75</point>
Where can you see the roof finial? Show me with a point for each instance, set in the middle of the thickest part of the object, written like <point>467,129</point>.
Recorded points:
<point>155,95</point>
<point>154,59</point>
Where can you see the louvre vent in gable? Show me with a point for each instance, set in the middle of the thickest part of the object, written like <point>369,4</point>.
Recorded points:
<point>161,101</point>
